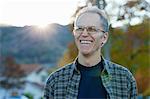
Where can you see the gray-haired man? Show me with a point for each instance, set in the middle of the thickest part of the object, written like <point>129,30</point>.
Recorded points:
<point>91,76</point>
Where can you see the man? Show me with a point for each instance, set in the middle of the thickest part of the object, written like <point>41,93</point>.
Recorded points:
<point>91,76</point>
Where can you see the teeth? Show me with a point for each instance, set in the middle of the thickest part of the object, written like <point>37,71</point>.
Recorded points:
<point>85,42</point>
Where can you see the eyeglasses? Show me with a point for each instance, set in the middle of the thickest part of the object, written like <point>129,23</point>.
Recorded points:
<point>91,30</point>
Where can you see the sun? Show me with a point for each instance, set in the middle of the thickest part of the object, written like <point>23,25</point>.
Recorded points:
<point>41,31</point>
<point>42,26</point>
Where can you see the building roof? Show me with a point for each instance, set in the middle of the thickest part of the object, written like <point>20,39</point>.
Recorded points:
<point>29,68</point>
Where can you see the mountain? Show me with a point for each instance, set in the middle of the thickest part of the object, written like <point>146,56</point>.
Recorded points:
<point>30,44</point>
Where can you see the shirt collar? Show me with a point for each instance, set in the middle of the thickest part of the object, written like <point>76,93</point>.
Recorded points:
<point>104,62</point>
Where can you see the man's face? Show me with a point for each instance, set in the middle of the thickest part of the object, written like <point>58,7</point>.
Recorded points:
<point>89,34</point>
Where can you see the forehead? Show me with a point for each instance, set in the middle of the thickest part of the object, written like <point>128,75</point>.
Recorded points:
<point>88,19</point>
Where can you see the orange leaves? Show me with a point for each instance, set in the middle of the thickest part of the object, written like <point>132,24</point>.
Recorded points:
<point>131,49</point>
<point>69,55</point>
<point>143,79</point>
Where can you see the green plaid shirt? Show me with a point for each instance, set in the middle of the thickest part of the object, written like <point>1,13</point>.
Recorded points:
<point>64,83</point>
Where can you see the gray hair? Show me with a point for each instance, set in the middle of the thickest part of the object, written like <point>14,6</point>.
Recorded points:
<point>103,16</point>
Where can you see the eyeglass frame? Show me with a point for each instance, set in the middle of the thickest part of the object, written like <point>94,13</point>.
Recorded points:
<point>76,29</point>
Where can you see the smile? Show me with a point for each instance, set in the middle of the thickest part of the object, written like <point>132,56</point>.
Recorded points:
<point>86,41</point>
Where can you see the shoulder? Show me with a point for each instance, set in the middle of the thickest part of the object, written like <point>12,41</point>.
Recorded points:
<point>117,69</point>
<point>122,79</point>
<point>60,73</point>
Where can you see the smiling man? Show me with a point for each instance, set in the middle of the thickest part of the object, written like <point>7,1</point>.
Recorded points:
<point>91,76</point>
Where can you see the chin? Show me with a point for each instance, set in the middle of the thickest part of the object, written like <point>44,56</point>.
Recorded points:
<point>85,53</point>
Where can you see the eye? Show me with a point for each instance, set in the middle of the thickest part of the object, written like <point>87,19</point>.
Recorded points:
<point>91,29</point>
<point>79,29</point>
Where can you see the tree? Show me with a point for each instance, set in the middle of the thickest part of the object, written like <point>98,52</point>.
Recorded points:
<point>131,49</point>
<point>69,55</point>
<point>124,12</point>
<point>12,73</point>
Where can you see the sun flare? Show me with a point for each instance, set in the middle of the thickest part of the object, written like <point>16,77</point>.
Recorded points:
<point>42,26</point>
<point>41,31</point>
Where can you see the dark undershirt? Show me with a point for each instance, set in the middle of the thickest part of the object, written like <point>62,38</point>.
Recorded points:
<point>91,84</point>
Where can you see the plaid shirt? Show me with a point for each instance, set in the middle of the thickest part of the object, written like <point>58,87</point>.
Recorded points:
<point>64,83</point>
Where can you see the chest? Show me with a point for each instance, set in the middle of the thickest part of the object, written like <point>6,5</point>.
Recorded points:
<point>67,88</point>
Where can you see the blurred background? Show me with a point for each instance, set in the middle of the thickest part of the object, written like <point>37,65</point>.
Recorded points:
<point>36,39</point>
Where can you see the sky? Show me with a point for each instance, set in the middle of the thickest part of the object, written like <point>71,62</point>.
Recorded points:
<point>36,12</point>
<point>43,12</point>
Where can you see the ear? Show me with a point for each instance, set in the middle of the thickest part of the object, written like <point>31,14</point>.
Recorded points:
<point>73,32</point>
<point>104,38</point>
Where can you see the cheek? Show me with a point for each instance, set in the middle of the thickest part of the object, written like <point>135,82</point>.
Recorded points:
<point>98,40</point>
<point>75,38</point>
<point>76,41</point>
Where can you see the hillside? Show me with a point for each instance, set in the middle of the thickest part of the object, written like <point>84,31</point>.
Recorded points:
<point>30,44</point>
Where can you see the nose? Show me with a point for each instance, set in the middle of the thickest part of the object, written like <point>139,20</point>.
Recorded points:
<point>85,32</point>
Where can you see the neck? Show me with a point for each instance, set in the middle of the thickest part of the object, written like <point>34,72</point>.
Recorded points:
<point>89,60</point>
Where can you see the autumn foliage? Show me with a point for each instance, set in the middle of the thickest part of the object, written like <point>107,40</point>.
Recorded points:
<point>131,49</point>
<point>69,55</point>
<point>12,73</point>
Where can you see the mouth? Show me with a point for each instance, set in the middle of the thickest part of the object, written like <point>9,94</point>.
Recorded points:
<point>86,41</point>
